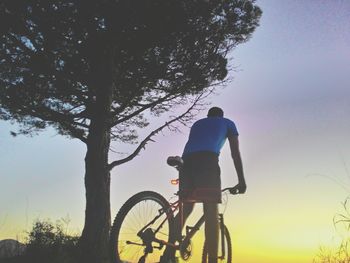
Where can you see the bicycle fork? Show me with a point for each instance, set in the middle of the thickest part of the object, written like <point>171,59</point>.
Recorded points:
<point>222,236</point>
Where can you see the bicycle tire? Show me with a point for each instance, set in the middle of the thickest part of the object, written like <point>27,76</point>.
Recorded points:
<point>140,205</point>
<point>228,257</point>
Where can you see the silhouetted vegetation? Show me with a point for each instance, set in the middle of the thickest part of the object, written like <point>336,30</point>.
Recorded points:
<point>340,254</point>
<point>50,243</point>
<point>47,243</point>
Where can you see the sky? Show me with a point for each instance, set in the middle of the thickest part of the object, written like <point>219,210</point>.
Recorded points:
<point>289,97</point>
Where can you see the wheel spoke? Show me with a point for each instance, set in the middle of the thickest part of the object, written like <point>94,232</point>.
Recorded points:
<point>135,214</point>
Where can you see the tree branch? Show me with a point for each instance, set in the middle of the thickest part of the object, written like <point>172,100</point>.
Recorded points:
<point>142,145</point>
<point>62,119</point>
<point>143,108</point>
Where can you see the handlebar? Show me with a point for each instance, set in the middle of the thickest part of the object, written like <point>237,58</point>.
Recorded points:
<point>233,190</point>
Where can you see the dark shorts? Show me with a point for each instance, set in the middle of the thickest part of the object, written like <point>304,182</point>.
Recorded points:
<point>200,178</point>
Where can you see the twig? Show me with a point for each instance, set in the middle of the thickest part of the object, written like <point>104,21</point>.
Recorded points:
<point>153,133</point>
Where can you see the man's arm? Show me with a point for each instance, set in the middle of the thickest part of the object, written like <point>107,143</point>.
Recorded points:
<point>237,160</point>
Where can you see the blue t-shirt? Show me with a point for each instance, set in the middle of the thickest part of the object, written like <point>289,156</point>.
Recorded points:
<point>209,134</point>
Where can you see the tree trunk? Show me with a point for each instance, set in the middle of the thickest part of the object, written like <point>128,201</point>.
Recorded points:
<point>94,242</point>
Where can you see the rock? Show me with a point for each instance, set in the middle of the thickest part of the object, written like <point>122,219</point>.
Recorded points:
<point>11,248</point>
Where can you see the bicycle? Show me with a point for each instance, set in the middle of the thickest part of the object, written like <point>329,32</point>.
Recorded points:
<point>144,226</point>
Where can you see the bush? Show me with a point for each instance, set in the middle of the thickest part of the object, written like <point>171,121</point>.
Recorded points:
<point>47,243</point>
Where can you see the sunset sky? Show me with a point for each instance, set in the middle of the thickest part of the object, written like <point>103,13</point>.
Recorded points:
<point>290,99</point>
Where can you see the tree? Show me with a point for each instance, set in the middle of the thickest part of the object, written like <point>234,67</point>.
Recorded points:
<point>91,69</point>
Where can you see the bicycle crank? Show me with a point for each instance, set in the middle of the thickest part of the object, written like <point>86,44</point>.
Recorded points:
<point>147,237</point>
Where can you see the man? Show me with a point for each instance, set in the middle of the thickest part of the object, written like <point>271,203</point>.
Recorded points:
<point>200,175</point>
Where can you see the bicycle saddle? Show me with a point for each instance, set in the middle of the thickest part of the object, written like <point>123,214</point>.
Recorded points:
<point>175,161</point>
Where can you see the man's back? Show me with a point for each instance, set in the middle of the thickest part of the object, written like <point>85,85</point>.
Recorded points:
<point>209,134</point>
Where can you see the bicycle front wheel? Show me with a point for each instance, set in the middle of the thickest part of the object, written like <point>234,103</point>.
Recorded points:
<point>224,248</point>
<point>143,220</point>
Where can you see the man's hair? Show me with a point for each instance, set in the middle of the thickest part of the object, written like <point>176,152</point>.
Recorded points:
<point>215,112</point>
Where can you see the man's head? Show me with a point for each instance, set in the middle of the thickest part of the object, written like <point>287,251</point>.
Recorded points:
<point>215,112</point>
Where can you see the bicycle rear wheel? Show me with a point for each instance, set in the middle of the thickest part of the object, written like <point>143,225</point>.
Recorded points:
<point>227,257</point>
<point>128,244</point>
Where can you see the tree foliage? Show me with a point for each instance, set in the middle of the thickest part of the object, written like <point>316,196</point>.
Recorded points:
<point>157,52</point>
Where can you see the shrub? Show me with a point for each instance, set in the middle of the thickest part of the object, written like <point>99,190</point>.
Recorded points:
<point>49,243</point>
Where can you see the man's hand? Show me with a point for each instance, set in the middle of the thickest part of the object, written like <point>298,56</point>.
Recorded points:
<point>240,188</point>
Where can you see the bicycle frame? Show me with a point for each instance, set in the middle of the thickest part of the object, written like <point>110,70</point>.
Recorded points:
<point>190,230</point>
